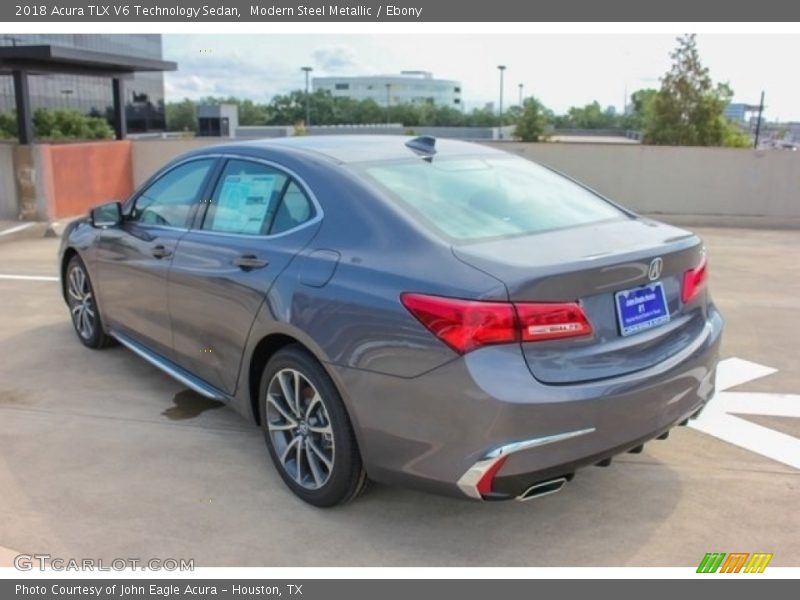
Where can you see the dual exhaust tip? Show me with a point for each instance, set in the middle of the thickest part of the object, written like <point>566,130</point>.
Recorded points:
<point>543,488</point>
<point>551,486</point>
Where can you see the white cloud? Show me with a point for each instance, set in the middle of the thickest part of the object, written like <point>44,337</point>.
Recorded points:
<point>337,59</point>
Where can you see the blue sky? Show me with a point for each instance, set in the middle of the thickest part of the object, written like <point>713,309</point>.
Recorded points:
<point>562,70</point>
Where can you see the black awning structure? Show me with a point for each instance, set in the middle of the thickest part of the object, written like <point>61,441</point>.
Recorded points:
<point>21,61</point>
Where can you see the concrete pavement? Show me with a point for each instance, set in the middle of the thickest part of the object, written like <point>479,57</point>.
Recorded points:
<point>103,456</point>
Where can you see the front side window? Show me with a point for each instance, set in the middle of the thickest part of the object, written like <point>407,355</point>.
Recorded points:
<point>168,201</point>
<point>480,198</point>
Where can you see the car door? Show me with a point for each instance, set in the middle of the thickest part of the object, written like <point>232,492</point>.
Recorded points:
<point>133,259</point>
<point>259,217</point>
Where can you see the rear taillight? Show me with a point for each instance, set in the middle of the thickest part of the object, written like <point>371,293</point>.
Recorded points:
<point>468,324</point>
<point>463,324</point>
<point>552,321</point>
<point>693,281</point>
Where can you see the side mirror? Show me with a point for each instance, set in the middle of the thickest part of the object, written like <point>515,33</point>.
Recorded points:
<point>106,215</point>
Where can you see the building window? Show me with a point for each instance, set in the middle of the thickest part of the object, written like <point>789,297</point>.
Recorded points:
<point>456,100</point>
<point>342,86</point>
<point>457,90</point>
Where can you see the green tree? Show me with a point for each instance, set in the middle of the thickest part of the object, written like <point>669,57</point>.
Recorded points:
<point>370,112</point>
<point>8,125</point>
<point>688,109</point>
<point>591,116</point>
<point>59,125</point>
<point>641,109</point>
<point>447,116</point>
<point>181,116</point>
<point>251,113</point>
<point>735,137</point>
<point>69,124</point>
<point>531,122</point>
<point>326,109</point>
<point>513,114</point>
<point>481,117</point>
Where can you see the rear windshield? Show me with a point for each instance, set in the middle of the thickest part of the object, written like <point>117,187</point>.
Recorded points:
<point>479,198</point>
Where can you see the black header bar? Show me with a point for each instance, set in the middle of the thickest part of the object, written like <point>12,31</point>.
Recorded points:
<point>44,11</point>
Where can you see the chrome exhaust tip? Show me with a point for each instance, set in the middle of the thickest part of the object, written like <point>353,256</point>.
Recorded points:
<point>543,488</point>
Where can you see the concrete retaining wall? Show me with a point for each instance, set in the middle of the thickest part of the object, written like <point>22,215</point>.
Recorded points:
<point>45,182</point>
<point>709,185</point>
<point>8,189</point>
<point>150,155</point>
<point>80,176</point>
<point>717,182</point>
<point>711,182</point>
<point>668,180</point>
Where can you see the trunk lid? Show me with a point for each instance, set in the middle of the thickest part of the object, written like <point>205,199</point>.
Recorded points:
<point>590,264</point>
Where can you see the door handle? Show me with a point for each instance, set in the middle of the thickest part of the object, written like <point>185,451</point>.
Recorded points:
<point>160,251</point>
<point>248,262</point>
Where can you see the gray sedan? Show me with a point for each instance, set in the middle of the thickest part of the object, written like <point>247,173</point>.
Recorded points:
<point>413,311</point>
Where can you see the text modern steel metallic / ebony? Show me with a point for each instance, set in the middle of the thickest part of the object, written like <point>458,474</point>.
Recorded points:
<point>420,312</point>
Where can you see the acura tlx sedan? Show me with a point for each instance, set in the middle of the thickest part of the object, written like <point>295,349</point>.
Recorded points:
<point>420,312</point>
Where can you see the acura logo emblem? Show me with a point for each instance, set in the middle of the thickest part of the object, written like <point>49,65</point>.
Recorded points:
<point>655,269</point>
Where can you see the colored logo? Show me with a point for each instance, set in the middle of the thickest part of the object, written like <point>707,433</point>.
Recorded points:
<point>735,562</point>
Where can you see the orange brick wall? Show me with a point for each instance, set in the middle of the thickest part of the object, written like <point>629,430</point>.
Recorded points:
<point>79,176</point>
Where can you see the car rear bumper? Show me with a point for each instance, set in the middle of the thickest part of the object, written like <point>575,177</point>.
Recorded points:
<point>439,431</point>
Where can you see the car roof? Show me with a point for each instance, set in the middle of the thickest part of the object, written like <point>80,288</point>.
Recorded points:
<point>359,148</point>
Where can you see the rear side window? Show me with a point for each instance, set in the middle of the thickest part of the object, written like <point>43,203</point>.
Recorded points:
<point>246,198</point>
<point>473,199</point>
<point>295,209</point>
<point>255,199</point>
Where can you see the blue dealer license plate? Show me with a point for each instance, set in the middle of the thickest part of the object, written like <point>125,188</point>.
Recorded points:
<point>641,308</point>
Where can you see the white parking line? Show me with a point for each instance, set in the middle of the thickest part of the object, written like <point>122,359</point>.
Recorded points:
<point>30,277</point>
<point>718,418</point>
<point>736,371</point>
<point>17,228</point>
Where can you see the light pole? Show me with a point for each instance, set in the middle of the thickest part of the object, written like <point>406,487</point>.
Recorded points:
<point>520,95</point>
<point>502,68</point>
<point>388,100</point>
<point>758,123</point>
<point>308,106</point>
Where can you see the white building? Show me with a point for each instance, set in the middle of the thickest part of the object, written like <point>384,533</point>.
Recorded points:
<point>409,87</point>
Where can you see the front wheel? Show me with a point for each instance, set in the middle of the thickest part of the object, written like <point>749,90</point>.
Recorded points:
<point>307,430</point>
<point>83,306</point>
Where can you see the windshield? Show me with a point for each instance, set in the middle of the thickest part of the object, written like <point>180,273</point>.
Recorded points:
<point>478,198</point>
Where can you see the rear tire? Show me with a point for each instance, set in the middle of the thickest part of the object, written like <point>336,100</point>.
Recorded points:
<point>308,433</point>
<point>83,308</point>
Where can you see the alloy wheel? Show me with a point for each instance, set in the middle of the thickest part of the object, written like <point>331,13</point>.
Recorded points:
<point>300,429</point>
<point>81,302</point>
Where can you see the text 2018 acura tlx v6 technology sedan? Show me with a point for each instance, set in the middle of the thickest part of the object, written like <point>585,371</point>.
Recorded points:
<point>425,313</point>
